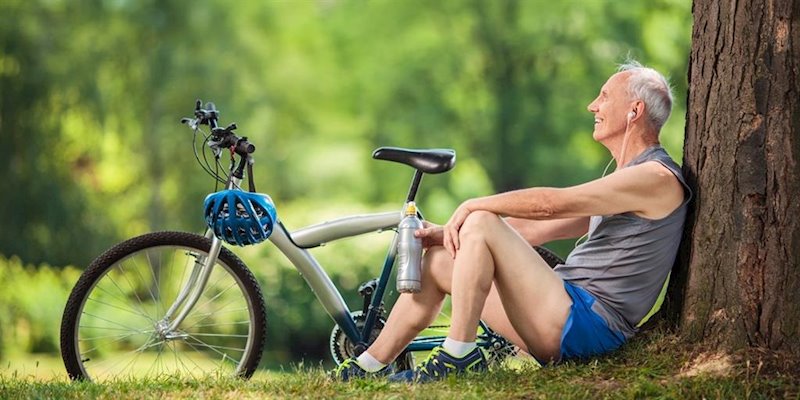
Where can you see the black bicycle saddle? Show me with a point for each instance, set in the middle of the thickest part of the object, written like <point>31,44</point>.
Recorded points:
<point>431,161</point>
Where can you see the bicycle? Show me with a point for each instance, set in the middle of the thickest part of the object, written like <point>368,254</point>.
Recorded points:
<point>182,304</point>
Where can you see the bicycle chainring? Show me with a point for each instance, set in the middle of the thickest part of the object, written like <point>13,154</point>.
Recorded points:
<point>342,347</point>
<point>499,350</point>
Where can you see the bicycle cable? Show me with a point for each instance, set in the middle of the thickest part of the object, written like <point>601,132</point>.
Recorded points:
<point>205,164</point>
<point>197,157</point>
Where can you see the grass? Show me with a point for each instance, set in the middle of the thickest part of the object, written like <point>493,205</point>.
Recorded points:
<point>655,365</point>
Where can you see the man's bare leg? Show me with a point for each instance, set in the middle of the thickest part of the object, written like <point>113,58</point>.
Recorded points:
<point>412,313</point>
<point>533,297</point>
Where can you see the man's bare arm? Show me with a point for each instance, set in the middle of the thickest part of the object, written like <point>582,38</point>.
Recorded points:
<point>539,232</point>
<point>648,189</point>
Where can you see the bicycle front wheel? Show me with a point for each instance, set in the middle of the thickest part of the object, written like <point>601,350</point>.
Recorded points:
<point>115,325</point>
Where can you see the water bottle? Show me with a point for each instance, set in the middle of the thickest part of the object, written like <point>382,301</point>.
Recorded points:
<point>409,252</point>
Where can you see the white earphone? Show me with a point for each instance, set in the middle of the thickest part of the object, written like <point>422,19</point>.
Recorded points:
<point>621,162</point>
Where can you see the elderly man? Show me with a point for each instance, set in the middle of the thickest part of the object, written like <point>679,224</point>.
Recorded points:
<point>594,302</point>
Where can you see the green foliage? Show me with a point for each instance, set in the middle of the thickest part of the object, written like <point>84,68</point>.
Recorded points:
<point>91,92</point>
<point>31,304</point>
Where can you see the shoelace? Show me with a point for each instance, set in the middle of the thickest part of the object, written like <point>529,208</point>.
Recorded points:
<point>345,365</point>
<point>431,359</point>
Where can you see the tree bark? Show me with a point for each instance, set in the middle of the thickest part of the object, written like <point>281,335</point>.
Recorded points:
<point>739,267</point>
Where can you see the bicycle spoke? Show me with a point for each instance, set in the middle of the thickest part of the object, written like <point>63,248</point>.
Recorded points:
<point>152,366</point>
<point>109,329</point>
<point>121,329</point>
<point>113,322</point>
<point>137,296</point>
<point>136,355</point>
<point>120,336</point>
<point>216,312</point>
<point>225,356</point>
<point>223,324</point>
<point>219,335</point>
<point>214,347</point>
<point>119,308</point>
<point>155,280</point>
<point>217,366</point>
<point>133,288</point>
<point>141,278</point>
<point>141,312</point>
<point>85,352</point>
<point>179,360</point>
<point>217,296</point>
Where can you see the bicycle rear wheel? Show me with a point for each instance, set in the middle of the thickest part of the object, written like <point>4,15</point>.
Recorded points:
<point>114,326</point>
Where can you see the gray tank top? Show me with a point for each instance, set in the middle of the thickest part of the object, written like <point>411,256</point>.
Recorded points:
<point>626,259</point>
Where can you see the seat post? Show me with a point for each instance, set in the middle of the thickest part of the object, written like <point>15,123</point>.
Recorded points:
<point>412,191</point>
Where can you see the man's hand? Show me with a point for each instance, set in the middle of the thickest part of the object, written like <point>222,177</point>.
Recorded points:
<point>452,227</point>
<point>431,234</point>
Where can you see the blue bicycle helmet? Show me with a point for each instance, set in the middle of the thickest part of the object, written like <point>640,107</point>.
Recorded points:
<point>252,221</point>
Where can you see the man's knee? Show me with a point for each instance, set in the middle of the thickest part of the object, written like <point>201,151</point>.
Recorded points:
<point>478,223</point>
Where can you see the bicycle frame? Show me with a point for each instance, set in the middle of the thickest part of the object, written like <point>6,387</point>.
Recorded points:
<point>295,247</point>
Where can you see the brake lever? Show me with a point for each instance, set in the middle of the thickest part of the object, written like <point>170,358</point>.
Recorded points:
<point>215,147</point>
<point>192,122</point>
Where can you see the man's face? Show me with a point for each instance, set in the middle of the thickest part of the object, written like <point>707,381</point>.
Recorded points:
<point>611,107</point>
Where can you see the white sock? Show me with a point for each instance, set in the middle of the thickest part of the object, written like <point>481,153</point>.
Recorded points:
<point>456,348</point>
<point>369,363</point>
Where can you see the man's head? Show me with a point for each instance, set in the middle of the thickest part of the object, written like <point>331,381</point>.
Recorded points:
<point>634,93</point>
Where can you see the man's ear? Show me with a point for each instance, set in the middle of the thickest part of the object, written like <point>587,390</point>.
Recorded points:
<point>638,109</point>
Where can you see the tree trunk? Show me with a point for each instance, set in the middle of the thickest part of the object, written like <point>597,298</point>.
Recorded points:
<point>739,268</point>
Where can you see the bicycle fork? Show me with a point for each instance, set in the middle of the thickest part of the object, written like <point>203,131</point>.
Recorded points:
<point>190,292</point>
<point>194,286</point>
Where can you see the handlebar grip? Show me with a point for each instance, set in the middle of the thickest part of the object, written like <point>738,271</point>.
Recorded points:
<point>243,146</point>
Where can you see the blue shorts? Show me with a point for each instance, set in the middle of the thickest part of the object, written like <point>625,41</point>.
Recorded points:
<point>586,333</point>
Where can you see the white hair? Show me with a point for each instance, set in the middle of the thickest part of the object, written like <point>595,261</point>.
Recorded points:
<point>649,86</point>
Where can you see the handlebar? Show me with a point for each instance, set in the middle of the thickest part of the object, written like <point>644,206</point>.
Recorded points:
<point>223,138</point>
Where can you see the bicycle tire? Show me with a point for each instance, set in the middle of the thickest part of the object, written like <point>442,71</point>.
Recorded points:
<point>552,259</point>
<point>210,331</point>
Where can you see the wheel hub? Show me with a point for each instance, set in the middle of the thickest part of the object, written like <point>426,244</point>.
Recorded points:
<point>164,333</point>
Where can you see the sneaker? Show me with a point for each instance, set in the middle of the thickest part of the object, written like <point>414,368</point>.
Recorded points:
<point>350,369</point>
<point>440,364</point>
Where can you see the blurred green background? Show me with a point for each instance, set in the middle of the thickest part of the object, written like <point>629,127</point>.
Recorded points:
<point>91,93</point>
